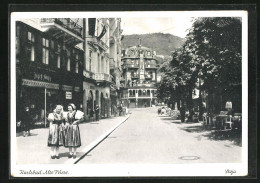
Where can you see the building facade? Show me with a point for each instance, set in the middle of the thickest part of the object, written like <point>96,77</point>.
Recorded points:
<point>62,60</point>
<point>49,62</point>
<point>139,77</point>
<point>102,37</point>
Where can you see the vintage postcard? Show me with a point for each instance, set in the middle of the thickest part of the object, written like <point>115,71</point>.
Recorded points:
<point>129,94</point>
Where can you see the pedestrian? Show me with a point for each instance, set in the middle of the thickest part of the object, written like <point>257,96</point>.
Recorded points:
<point>182,111</point>
<point>71,132</point>
<point>163,110</point>
<point>115,110</point>
<point>56,138</point>
<point>97,112</point>
<point>26,119</point>
<point>91,113</point>
<point>159,111</point>
<point>145,105</point>
<point>120,110</point>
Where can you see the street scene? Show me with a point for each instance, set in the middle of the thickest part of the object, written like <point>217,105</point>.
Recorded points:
<point>123,91</point>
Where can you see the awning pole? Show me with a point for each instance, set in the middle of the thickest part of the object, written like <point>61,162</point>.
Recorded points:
<point>45,107</point>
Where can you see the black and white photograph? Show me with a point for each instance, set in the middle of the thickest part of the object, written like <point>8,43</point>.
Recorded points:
<point>100,94</point>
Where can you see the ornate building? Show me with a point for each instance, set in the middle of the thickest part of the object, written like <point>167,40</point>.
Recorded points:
<point>139,77</point>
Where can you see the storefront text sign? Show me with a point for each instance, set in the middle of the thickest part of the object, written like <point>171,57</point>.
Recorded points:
<point>42,77</point>
<point>68,95</point>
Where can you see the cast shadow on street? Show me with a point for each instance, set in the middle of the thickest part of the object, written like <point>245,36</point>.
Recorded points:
<point>21,134</point>
<point>214,134</point>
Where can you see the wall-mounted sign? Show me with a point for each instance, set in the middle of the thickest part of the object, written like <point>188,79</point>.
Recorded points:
<point>66,88</point>
<point>41,77</point>
<point>41,84</point>
<point>68,95</point>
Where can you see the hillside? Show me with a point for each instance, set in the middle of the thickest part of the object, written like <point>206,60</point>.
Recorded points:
<point>163,44</point>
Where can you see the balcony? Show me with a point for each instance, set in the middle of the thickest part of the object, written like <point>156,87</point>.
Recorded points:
<point>148,76</point>
<point>100,77</point>
<point>151,66</point>
<point>63,29</point>
<point>134,76</point>
<point>88,74</point>
<point>97,42</point>
<point>134,66</point>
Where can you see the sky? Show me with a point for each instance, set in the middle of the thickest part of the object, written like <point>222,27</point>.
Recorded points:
<point>175,25</point>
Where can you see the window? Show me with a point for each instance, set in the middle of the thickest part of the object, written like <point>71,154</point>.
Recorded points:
<point>58,55</point>
<point>31,46</point>
<point>58,61</point>
<point>45,51</point>
<point>90,59</point>
<point>77,67</point>
<point>77,63</point>
<point>30,37</point>
<point>98,63</point>
<point>18,45</point>
<point>52,44</point>
<point>68,64</point>
<point>18,31</point>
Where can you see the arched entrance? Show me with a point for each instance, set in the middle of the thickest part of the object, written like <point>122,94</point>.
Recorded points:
<point>90,103</point>
<point>96,102</point>
<point>103,105</point>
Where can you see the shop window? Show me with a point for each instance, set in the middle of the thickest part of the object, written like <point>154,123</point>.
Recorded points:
<point>45,51</point>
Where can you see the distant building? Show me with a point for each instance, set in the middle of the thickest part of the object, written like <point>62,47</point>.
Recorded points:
<point>139,77</point>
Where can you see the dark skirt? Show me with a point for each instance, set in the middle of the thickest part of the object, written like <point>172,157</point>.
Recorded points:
<point>56,137</point>
<point>72,136</point>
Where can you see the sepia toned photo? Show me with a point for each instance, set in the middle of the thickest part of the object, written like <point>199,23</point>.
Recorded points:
<point>129,94</point>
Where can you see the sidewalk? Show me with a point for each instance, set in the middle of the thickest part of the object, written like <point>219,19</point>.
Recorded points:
<point>34,150</point>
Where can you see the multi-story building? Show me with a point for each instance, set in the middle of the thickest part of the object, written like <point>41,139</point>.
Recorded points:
<point>49,59</point>
<point>115,60</point>
<point>102,49</point>
<point>62,60</point>
<point>139,77</point>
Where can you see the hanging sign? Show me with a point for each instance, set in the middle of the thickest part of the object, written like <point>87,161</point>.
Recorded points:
<point>68,95</point>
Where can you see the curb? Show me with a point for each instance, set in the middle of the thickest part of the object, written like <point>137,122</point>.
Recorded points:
<point>92,145</point>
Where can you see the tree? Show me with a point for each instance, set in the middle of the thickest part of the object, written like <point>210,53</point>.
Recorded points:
<point>212,53</point>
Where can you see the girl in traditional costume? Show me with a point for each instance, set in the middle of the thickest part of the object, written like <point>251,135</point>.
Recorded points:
<point>56,138</point>
<point>71,133</point>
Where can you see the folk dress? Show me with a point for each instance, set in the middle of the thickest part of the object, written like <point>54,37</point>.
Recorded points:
<point>71,132</point>
<point>56,137</point>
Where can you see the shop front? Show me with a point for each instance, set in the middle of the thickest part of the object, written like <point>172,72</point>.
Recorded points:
<point>41,97</point>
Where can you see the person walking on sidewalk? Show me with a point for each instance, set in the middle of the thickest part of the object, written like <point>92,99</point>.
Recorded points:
<point>71,132</point>
<point>182,111</point>
<point>26,121</point>
<point>97,112</point>
<point>56,138</point>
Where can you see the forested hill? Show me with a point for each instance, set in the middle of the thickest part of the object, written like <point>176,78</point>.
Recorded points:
<point>163,44</point>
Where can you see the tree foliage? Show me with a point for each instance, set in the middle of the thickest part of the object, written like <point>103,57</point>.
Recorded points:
<point>212,51</point>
